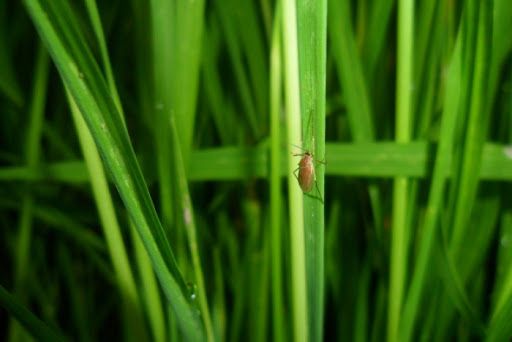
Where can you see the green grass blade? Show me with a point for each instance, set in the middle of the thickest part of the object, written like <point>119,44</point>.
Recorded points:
<point>375,160</point>
<point>454,285</point>
<point>251,37</point>
<point>219,107</point>
<point>177,42</point>
<point>92,10</point>
<point>312,36</point>
<point>188,221</point>
<point>278,313</point>
<point>230,27</point>
<point>350,71</point>
<point>354,85</point>
<point>479,117</point>
<point>461,294</point>
<point>380,15</point>
<point>423,44</point>
<point>133,316</point>
<point>161,111</point>
<point>401,188</point>
<point>81,76</point>
<point>185,62</point>
<point>150,293</point>
<point>435,200</point>
<point>293,123</point>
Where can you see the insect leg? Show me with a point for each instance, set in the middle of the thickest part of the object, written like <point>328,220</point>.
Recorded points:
<point>315,197</point>
<point>300,148</point>
<point>319,194</point>
<point>295,173</point>
<point>323,162</point>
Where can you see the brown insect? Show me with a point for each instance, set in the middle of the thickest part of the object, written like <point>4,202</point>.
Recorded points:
<point>306,170</point>
<point>306,173</point>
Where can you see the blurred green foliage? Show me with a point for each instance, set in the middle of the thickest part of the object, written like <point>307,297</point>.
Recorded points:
<point>144,148</point>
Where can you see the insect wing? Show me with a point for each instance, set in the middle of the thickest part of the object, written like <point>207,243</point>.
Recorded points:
<point>306,173</point>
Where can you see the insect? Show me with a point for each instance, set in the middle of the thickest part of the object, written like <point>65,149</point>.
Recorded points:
<point>306,173</point>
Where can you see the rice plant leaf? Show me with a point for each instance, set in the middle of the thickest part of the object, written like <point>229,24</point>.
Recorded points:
<point>454,285</point>
<point>89,90</point>
<point>132,315</point>
<point>431,222</point>
<point>275,180</point>
<point>350,72</point>
<point>378,26</point>
<point>295,197</point>
<point>312,35</point>
<point>401,185</point>
<point>233,40</point>
<point>479,118</point>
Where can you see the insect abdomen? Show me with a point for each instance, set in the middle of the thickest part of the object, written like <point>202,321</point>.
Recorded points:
<point>306,173</point>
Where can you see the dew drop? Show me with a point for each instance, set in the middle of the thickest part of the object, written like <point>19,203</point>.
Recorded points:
<point>192,291</point>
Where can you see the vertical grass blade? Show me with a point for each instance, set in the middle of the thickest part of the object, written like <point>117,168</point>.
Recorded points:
<point>404,102</point>
<point>154,303</point>
<point>293,124</point>
<point>378,22</point>
<point>355,87</point>
<point>350,71</point>
<point>161,108</point>
<point>435,200</point>
<point>94,16</point>
<point>177,39</point>
<point>229,25</point>
<point>278,313</point>
<point>150,292</point>
<point>132,313</point>
<point>177,46</point>
<point>312,35</point>
<point>186,217</point>
<point>477,126</point>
